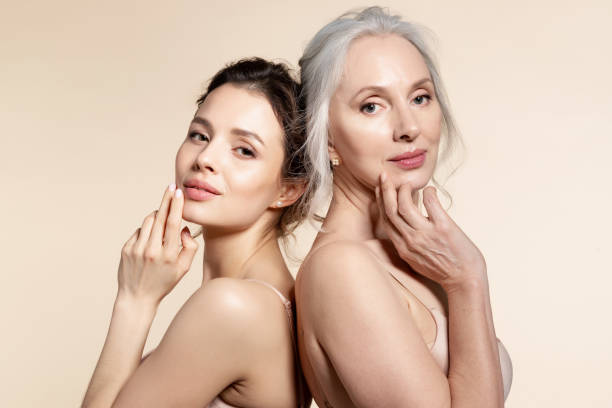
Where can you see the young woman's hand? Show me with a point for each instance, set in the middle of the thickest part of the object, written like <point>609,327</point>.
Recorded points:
<point>152,260</point>
<point>433,246</point>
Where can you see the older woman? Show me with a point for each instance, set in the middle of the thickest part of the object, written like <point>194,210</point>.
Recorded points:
<point>393,306</point>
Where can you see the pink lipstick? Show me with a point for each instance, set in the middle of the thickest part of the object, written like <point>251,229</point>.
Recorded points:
<point>410,160</point>
<point>199,190</point>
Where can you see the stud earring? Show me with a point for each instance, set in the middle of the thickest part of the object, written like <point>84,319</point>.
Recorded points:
<point>335,161</point>
<point>279,203</point>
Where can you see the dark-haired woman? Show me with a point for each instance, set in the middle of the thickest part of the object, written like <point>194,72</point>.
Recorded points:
<point>239,176</point>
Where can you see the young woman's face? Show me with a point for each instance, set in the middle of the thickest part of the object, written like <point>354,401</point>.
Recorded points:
<point>384,114</point>
<point>229,166</point>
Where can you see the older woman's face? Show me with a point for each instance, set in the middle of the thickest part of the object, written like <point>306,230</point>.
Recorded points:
<point>234,150</point>
<point>384,114</point>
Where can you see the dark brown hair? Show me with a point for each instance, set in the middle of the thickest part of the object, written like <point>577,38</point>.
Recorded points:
<point>275,82</point>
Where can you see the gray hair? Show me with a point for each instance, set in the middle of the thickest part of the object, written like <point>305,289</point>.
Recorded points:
<point>322,65</point>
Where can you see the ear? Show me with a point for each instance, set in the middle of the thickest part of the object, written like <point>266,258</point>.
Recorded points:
<point>291,191</point>
<point>333,154</point>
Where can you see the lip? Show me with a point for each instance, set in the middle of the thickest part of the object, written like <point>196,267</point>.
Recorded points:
<point>410,160</point>
<point>408,155</point>
<point>199,190</point>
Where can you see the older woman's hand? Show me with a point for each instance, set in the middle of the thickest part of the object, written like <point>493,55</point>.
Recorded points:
<point>152,260</point>
<point>433,246</point>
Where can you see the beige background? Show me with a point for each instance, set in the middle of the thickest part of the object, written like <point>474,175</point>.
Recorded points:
<point>95,98</point>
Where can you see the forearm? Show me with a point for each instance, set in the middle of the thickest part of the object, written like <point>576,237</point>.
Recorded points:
<point>122,351</point>
<point>474,373</point>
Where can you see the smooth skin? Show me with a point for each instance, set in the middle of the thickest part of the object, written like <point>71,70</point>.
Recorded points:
<point>232,337</point>
<point>365,288</point>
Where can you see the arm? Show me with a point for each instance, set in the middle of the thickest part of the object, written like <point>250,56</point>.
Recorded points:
<point>152,263</point>
<point>376,350</point>
<point>204,350</point>
<point>435,247</point>
<point>475,371</point>
<point>127,334</point>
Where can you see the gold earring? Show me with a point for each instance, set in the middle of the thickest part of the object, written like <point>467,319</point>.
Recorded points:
<point>335,161</point>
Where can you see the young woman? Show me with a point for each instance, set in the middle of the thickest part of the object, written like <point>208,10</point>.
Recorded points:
<point>393,306</point>
<point>240,175</point>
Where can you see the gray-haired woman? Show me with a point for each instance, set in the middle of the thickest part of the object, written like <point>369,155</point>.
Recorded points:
<point>393,306</point>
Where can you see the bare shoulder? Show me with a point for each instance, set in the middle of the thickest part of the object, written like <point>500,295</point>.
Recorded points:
<point>346,270</point>
<point>338,260</point>
<point>237,306</point>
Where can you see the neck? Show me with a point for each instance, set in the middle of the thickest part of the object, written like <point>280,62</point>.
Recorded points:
<point>353,212</point>
<point>231,253</point>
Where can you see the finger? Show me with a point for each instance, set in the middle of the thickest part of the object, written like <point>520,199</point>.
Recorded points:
<point>145,232</point>
<point>171,233</point>
<point>433,206</point>
<point>157,233</point>
<point>381,206</point>
<point>399,242</point>
<point>407,209</point>
<point>190,247</point>
<point>389,200</point>
<point>127,247</point>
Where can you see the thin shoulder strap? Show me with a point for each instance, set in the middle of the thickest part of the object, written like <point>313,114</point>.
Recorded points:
<point>283,298</point>
<point>298,372</point>
<point>286,302</point>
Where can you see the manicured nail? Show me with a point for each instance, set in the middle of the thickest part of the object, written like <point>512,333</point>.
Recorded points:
<point>178,193</point>
<point>172,187</point>
<point>383,176</point>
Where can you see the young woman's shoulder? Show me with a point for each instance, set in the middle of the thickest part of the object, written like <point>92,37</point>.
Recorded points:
<point>240,305</point>
<point>224,328</point>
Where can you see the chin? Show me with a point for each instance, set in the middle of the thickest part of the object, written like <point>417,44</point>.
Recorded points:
<point>196,215</point>
<point>417,180</point>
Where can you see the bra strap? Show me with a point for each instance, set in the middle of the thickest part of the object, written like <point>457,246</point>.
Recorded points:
<point>298,372</point>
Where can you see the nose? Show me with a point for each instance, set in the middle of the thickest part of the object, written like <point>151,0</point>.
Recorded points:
<point>205,160</point>
<point>406,125</point>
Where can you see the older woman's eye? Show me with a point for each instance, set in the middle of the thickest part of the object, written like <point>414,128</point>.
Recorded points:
<point>199,136</point>
<point>422,99</point>
<point>369,108</point>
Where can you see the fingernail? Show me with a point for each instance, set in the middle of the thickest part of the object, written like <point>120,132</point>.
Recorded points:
<point>178,193</point>
<point>172,187</point>
<point>383,176</point>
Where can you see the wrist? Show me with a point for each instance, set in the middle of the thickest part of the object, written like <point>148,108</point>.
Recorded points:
<point>126,302</point>
<point>472,281</point>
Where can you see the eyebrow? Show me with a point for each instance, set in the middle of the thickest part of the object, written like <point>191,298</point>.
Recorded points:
<point>382,89</point>
<point>236,131</point>
<point>242,132</point>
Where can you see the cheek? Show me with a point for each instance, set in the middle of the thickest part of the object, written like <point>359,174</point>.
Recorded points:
<point>181,163</point>
<point>359,139</point>
<point>252,190</point>
<point>432,126</point>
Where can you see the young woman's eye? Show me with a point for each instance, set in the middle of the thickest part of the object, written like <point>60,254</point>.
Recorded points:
<point>245,151</point>
<point>199,136</point>
<point>369,108</point>
<point>422,99</point>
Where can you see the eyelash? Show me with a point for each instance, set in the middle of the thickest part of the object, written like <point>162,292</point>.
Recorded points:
<point>368,104</point>
<point>243,151</point>
<point>193,134</point>
<point>426,96</point>
<point>249,152</point>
